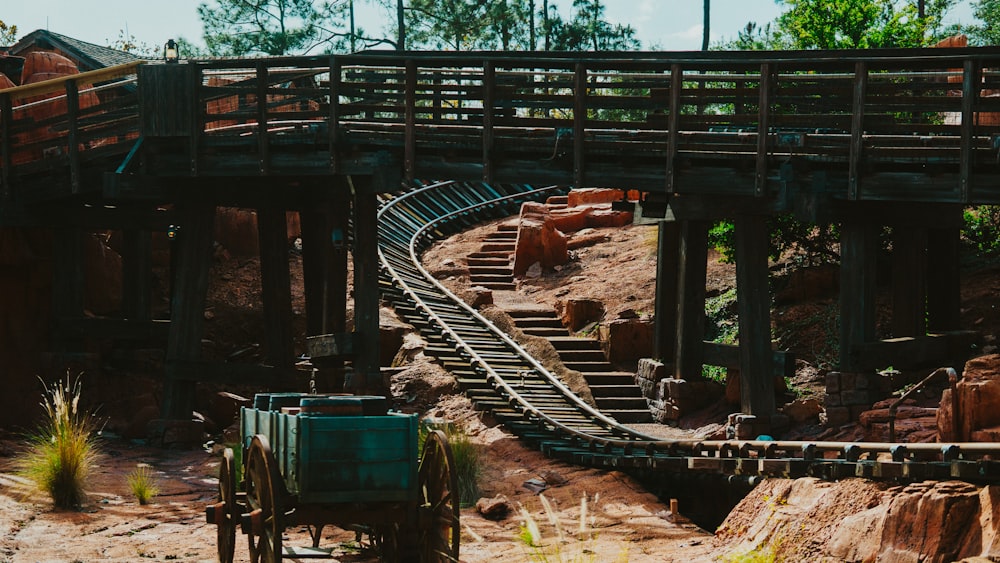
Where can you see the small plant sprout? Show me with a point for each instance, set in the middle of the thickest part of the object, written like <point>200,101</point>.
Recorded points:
<point>142,483</point>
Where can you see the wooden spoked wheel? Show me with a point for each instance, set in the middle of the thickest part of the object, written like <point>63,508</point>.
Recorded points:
<point>384,539</point>
<point>226,532</point>
<point>438,483</point>
<point>262,482</point>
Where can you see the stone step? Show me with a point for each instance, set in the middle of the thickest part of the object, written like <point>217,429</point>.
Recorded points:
<point>480,277</point>
<point>507,227</point>
<point>491,254</point>
<point>537,312</point>
<point>489,263</point>
<point>610,378</point>
<point>590,367</point>
<point>631,391</point>
<point>497,247</point>
<point>499,286</point>
<point>622,403</point>
<point>627,416</point>
<point>538,322</point>
<point>562,343</point>
<point>582,355</point>
<point>545,332</point>
<point>502,236</point>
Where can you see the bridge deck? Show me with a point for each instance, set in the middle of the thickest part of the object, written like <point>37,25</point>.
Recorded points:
<point>913,125</point>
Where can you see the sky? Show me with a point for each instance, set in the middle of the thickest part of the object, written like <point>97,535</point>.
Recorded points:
<point>673,25</point>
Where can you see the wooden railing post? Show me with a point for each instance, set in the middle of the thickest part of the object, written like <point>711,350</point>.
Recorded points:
<point>579,123</point>
<point>489,102</point>
<point>262,140</point>
<point>674,124</point>
<point>410,142</point>
<point>763,128</point>
<point>334,127</point>
<point>197,117</point>
<point>857,129</point>
<point>6,146</point>
<point>971,87</point>
<point>72,134</point>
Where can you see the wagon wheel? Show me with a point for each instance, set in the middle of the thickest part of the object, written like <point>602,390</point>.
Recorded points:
<point>261,482</point>
<point>438,483</point>
<point>384,539</point>
<point>226,531</point>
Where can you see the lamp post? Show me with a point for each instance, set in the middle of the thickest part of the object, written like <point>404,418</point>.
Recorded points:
<point>170,51</point>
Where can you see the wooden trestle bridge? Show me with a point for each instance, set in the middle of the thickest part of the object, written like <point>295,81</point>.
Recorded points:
<point>867,139</point>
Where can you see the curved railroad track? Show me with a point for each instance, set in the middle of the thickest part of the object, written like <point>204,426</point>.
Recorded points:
<point>500,377</point>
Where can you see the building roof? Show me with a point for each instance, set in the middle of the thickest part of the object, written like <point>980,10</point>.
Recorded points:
<point>88,56</point>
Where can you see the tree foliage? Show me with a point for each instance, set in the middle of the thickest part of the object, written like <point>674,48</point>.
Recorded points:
<point>988,32</point>
<point>272,27</point>
<point>8,34</point>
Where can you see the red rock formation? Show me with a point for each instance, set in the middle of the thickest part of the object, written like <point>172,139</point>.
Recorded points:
<point>584,196</point>
<point>978,398</point>
<point>236,230</point>
<point>538,240</point>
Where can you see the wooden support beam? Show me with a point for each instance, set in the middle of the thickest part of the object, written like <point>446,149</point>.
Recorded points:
<point>337,345</point>
<point>693,258</point>
<point>971,87</point>
<point>916,352</point>
<point>857,130</point>
<point>944,289</point>
<point>197,118</point>
<point>189,286</point>
<point>367,372</point>
<point>767,79</point>
<point>754,304</point>
<point>186,373</point>
<point>72,135</point>
<point>115,329</point>
<point>410,118</point>
<point>263,142</point>
<point>489,103</point>
<point>137,274</point>
<point>334,128</point>
<point>667,266</point>
<point>276,287</point>
<point>6,145</point>
<point>728,356</point>
<point>674,125</point>
<point>579,125</point>
<point>909,281</point>
<point>858,252</point>
<point>68,280</point>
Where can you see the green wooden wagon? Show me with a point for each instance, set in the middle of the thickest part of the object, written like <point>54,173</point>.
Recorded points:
<point>343,461</point>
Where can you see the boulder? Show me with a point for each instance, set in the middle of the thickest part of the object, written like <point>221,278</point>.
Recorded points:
<point>236,230</point>
<point>927,521</point>
<point>584,196</point>
<point>605,217</point>
<point>496,508</point>
<point>571,219</point>
<point>627,340</point>
<point>977,396</point>
<point>538,240</point>
<point>802,410</point>
<point>578,313</point>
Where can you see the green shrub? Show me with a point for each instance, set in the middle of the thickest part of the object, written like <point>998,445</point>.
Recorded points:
<point>63,451</point>
<point>468,465</point>
<point>143,484</point>
<point>981,233</point>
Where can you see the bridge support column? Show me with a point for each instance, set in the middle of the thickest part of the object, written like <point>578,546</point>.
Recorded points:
<point>68,284</point>
<point>137,275</point>
<point>324,272</point>
<point>187,322</point>
<point>944,292</point>
<point>689,353</point>
<point>367,372</point>
<point>909,281</point>
<point>858,252</point>
<point>754,304</point>
<point>276,287</point>
<point>665,316</point>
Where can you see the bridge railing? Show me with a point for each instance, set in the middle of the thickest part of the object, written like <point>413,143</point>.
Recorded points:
<point>53,128</point>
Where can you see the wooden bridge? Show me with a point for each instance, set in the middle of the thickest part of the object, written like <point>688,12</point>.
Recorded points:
<point>866,139</point>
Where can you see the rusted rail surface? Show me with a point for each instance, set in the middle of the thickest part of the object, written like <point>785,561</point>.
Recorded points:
<point>906,125</point>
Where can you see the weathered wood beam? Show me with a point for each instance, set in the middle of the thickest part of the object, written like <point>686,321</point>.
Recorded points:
<point>913,352</point>
<point>858,253</point>
<point>693,257</point>
<point>728,356</point>
<point>187,372</point>
<point>137,274</point>
<point>753,300</point>
<point>944,288</point>
<point>857,129</point>
<point>909,281</point>
<point>667,266</point>
<point>367,372</point>
<point>276,287</point>
<point>154,331</point>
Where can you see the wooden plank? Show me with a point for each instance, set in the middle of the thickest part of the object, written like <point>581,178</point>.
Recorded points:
<point>767,79</point>
<point>857,129</point>
<point>366,291</point>
<point>184,373</point>
<point>72,135</point>
<point>197,119</point>
<point>68,281</point>
<point>189,286</point>
<point>6,145</point>
<point>579,125</point>
<point>754,304</point>
<point>917,351</point>
<point>689,351</point>
<point>338,345</point>
<point>489,103</point>
<point>944,289</point>
<point>58,84</point>
<point>728,356</point>
<point>667,267</point>
<point>276,287</point>
<point>909,281</point>
<point>137,274</point>
<point>334,118</point>
<point>674,125</point>
<point>971,85</point>
<point>263,141</point>
<point>115,329</point>
<point>410,142</point>
<point>858,252</point>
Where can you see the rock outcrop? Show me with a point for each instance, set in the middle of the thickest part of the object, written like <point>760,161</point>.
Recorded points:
<point>978,403</point>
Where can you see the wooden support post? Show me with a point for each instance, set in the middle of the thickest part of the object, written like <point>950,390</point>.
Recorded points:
<point>667,265</point>
<point>68,281</point>
<point>410,133</point>
<point>971,87</point>
<point>754,302</point>
<point>367,372</point>
<point>767,78</point>
<point>944,295</point>
<point>197,118</point>
<point>579,125</point>
<point>187,307</point>
<point>137,274</point>
<point>263,143</point>
<point>6,145</point>
<point>857,129</point>
<point>858,252</point>
<point>489,103</point>
<point>692,261</point>
<point>673,125</point>
<point>276,288</point>
<point>72,134</point>
<point>909,281</point>
<point>335,71</point>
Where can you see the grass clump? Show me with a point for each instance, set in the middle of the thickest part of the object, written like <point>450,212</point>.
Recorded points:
<point>468,464</point>
<point>563,547</point>
<point>62,452</point>
<point>142,483</point>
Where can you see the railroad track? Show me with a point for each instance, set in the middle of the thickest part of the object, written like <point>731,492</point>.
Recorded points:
<point>502,378</point>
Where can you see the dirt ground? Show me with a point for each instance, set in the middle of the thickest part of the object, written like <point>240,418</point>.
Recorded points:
<point>624,522</point>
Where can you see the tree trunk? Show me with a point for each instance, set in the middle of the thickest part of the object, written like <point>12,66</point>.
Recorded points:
<point>705,28</point>
<point>401,23</point>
